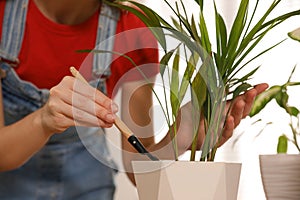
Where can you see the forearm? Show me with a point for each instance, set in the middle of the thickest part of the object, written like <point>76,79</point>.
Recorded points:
<point>1,105</point>
<point>136,113</point>
<point>179,137</point>
<point>19,141</point>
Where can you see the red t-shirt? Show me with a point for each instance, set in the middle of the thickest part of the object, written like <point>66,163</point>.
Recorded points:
<point>49,49</point>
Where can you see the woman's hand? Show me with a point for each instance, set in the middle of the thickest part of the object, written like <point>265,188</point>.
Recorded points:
<point>240,108</point>
<point>73,102</point>
<point>70,103</point>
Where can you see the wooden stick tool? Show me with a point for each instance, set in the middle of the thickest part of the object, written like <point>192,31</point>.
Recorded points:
<point>126,132</point>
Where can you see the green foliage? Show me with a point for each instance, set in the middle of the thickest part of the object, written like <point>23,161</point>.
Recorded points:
<point>263,99</point>
<point>218,75</point>
<point>279,93</point>
<point>282,144</point>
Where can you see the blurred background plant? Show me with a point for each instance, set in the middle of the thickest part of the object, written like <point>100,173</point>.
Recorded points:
<point>280,93</point>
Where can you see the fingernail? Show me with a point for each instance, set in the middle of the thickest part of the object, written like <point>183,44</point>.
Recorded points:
<point>110,117</point>
<point>114,107</point>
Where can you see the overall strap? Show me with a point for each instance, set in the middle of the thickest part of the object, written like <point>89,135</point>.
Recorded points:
<point>107,25</point>
<point>13,29</point>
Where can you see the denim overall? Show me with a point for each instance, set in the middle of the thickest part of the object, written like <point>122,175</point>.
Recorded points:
<point>64,168</point>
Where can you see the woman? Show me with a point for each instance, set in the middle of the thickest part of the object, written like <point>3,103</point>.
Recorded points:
<point>40,149</point>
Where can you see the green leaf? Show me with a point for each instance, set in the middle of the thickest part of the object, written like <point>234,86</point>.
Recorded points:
<point>258,26</point>
<point>148,16</point>
<point>182,20</point>
<point>248,75</point>
<point>237,27</point>
<point>261,24</point>
<point>248,49</point>
<point>213,107</point>
<point>292,84</point>
<point>250,36</point>
<point>109,52</point>
<point>165,60</point>
<point>189,44</point>
<point>252,59</point>
<point>194,34</point>
<point>282,97</point>
<point>240,89</point>
<point>251,18</point>
<point>175,84</point>
<point>263,99</point>
<point>293,111</point>
<point>205,41</point>
<point>221,33</point>
<point>200,3</point>
<point>244,78</point>
<point>199,93</point>
<point>185,81</point>
<point>178,26</point>
<point>282,144</point>
<point>199,87</point>
<point>278,20</point>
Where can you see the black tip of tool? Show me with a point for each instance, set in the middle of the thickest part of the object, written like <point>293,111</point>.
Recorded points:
<point>134,141</point>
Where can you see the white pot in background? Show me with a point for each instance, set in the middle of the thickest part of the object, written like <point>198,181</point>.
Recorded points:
<point>281,176</point>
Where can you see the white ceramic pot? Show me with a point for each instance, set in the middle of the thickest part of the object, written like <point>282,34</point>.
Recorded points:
<point>280,175</point>
<point>169,180</point>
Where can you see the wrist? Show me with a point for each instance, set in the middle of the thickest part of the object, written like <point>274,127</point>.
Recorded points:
<point>40,122</point>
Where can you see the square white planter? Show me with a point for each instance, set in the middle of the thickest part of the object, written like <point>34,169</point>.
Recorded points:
<point>170,180</point>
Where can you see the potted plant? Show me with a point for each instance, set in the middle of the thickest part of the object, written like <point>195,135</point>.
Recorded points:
<point>282,181</point>
<point>211,75</point>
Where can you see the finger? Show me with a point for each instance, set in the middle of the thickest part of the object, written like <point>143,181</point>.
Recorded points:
<point>237,111</point>
<point>87,113</point>
<point>83,118</point>
<point>250,96</point>
<point>84,104</point>
<point>227,130</point>
<point>84,101</point>
<point>261,87</point>
<point>92,93</point>
<point>248,99</point>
